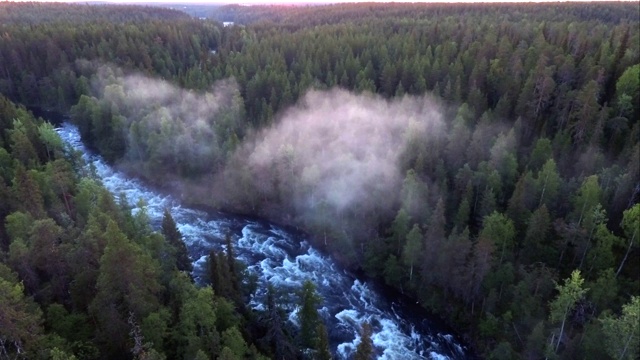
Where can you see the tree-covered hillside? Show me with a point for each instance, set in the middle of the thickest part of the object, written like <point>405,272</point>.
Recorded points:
<point>81,276</point>
<point>483,159</point>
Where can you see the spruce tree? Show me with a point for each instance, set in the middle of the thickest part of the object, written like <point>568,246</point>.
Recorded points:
<point>365,347</point>
<point>235,292</point>
<point>324,352</point>
<point>174,238</point>
<point>309,318</point>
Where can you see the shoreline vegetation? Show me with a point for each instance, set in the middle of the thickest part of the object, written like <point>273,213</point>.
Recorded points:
<point>481,158</point>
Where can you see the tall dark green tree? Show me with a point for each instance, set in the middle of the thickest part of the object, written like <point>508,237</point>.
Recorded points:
<point>364,351</point>
<point>232,266</point>
<point>174,238</point>
<point>308,314</point>
<point>324,352</point>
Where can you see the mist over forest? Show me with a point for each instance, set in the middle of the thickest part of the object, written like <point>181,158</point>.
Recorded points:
<point>482,160</point>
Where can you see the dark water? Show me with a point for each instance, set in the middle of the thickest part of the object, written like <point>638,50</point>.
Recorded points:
<point>52,116</point>
<point>400,330</point>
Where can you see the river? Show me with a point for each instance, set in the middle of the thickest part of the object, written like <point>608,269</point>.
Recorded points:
<point>272,254</point>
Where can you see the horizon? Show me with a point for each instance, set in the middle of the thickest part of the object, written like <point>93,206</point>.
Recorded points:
<point>323,2</point>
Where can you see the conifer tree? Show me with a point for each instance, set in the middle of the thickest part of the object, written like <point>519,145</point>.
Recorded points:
<point>324,353</point>
<point>364,351</point>
<point>309,318</point>
<point>174,238</point>
<point>234,276</point>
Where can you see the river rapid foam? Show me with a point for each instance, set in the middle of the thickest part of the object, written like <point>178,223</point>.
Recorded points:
<point>286,260</point>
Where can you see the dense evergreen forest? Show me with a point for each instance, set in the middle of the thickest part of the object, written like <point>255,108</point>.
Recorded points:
<point>511,207</point>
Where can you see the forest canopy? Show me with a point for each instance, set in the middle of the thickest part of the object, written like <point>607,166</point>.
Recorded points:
<point>482,158</point>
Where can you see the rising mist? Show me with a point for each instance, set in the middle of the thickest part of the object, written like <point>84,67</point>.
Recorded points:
<point>168,132</point>
<point>333,163</point>
<point>332,157</point>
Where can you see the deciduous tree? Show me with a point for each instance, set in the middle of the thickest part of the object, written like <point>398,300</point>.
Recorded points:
<point>568,295</point>
<point>622,333</point>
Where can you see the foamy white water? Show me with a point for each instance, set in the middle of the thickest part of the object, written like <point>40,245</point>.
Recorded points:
<point>276,256</point>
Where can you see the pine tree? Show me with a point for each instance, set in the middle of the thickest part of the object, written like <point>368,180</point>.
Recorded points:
<point>309,318</point>
<point>219,274</point>
<point>27,194</point>
<point>127,283</point>
<point>174,238</point>
<point>20,319</point>
<point>500,231</point>
<point>535,244</point>
<point>324,353</point>
<point>234,274</point>
<point>276,335</point>
<point>364,350</point>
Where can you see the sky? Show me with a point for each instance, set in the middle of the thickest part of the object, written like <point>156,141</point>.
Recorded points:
<point>302,1</point>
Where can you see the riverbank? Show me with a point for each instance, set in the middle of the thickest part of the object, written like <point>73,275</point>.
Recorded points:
<point>408,304</point>
<point>180,190</point>
<point>285,259</point>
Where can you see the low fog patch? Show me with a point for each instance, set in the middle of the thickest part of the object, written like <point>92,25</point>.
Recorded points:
<point>166,131</point>
<point>332,161</point>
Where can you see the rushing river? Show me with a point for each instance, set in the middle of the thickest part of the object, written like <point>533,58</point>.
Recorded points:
<point>287,260</point>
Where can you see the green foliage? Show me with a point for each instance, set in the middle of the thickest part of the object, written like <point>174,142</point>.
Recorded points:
<point>631,227</point>
<point>413,249</point>
<point>196,329</point>
<point>631,222</point>
<point>324,352</point>
<point>604,290</point>
<point>20,320</point>
<point>26,189</point>
<point>399,230</point>
<point>594,348</point>
<point>18,225</point>
<point>546,99</point>
<point>155,328</point>
<point>309,317</point>
<point>225,274</point>
<point>628,92</point>
<point>541,153</point>
<point>499,229</point>
<point>548,182</point>
<point>364,351</point>
<point>50,139</point>
<point>174,238</point>
<point>127,285</point>
<point>232,340</point>
<point>536,245</point>
<point>57,354</point>
<point>392,271</point>
<point>536,341</point>
<point>503,351</point>
<point>568,295</point>
<point>69,242</point>
<point>622,333</point>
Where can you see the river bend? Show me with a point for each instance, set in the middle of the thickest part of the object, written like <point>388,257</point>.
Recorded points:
<point>287,260</point>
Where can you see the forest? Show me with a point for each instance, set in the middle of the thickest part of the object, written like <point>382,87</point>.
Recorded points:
<point>482,159</point>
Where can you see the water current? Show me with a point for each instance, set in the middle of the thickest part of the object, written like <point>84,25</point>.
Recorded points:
<point>285,258</point>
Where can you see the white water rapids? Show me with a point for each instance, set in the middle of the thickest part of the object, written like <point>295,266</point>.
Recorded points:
<point>276,256</point>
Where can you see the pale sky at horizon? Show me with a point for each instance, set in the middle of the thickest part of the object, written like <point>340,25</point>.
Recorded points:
<point>258,2</point>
